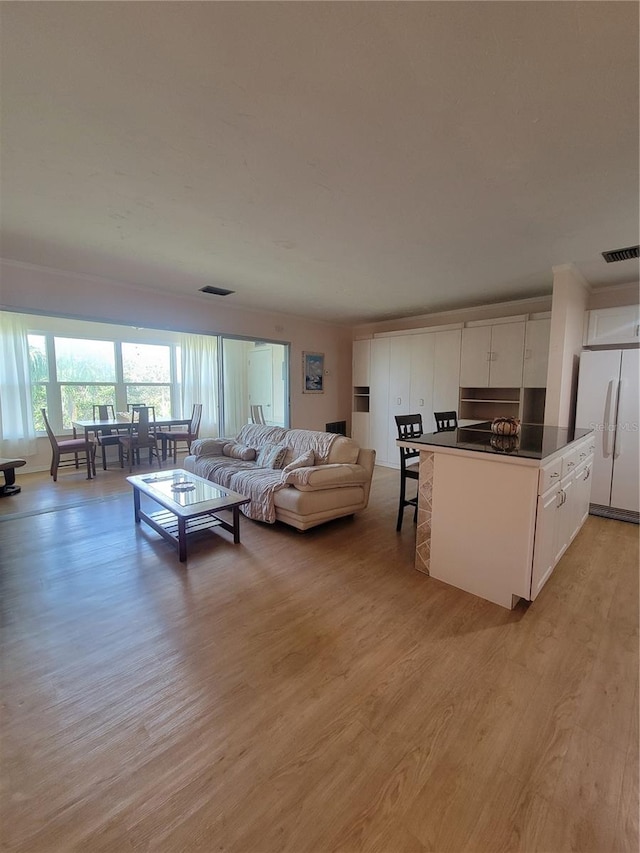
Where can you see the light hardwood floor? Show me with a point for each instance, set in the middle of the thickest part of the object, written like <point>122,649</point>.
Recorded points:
<point>305,692</point>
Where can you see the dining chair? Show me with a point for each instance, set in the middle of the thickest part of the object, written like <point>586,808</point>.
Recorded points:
<point>171,438</point>
<point>257,415</point>
<point>446,421</point>
<point>409,426</point>
<point>141,437</point>
<point>106,437</point>
<point>67,447</point>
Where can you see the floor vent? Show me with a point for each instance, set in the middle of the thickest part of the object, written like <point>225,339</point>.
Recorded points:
<point>339,427</point>
<point>627,254</point>
<point>617,514</point>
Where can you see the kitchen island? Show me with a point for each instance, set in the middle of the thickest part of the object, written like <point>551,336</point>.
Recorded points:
<point>496,513</point>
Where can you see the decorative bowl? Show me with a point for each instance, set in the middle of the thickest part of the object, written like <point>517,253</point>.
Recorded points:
<point>506,426</point>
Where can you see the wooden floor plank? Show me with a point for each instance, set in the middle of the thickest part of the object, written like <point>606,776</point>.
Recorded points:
<point>304,692</point>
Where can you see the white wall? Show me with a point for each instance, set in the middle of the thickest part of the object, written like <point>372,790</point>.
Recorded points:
<point>569,303</point>
<point>615,295</point>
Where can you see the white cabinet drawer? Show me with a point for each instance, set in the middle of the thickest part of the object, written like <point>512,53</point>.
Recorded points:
<point>550,475</point>
<point>570,461</point>
<point>585,451</point>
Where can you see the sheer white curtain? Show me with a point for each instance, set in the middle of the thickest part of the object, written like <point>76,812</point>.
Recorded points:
<point>199,381</point>
<point>17,432</point>
<point>236,397</point>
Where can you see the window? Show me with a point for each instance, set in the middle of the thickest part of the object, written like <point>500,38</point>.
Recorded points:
<point>69,376</point>
<point>86,374</point>
<point>146,370</point>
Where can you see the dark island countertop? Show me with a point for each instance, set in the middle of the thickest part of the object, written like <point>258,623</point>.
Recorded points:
<point>534,442</point>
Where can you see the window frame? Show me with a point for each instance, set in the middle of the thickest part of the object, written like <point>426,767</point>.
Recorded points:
<point>54,387</point>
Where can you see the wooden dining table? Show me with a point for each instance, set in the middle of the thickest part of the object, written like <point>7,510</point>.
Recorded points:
<point>97,425</point>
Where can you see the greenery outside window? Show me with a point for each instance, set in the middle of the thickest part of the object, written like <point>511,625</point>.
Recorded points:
<point>39,370</point>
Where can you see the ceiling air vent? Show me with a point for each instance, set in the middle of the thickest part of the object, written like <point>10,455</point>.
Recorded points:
<point>615,255</point>
<point>217,291</point>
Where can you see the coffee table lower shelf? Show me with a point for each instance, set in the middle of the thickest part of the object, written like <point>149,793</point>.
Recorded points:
<point>169,526</point>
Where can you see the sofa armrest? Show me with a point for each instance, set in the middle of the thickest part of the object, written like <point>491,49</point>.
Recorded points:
<point>332,476</point>
<point>208,446</point>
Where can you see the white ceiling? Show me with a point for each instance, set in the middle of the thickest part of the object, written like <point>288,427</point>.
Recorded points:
<point>349,161</point>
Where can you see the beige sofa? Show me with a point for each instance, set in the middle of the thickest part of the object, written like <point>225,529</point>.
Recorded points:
<point>300,477</point>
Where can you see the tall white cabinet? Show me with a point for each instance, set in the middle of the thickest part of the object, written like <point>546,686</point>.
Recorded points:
<point>410,374</point>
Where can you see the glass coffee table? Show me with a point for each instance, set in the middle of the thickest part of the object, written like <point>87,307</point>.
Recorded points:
<point>190,503</point>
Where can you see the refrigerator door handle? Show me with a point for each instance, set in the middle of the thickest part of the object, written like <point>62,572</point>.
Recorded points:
<point>607,419</point>
<point>616,443</point>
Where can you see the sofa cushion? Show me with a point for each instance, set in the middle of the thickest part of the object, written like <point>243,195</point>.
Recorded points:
<point>345,450</point>
<point>326,477</point>
<point>239,451</point>
<point>271,456</point>
<point>329,501</point>
<point>208,446</point>
<point>303,461</point>
<point>301,440</point>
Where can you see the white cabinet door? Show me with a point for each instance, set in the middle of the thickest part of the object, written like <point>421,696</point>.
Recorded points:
<point>597,387</point>
<point>360,428</point>
<point>564,517</point>
<point>536,353</point>
<point>507,353</point>
<point>421,375</point>
<point>544,549</point>
<point>625,485</point>
<point>581,496</point>
<point>614,325</point>
<point>399,390</point>
<point>476,351</point>
<point>379,399</point>
<point>446,374</point>
<point>361,355</point>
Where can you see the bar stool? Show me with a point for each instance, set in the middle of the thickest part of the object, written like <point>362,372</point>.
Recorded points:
<point>446,421</point>
<point>409,426</point>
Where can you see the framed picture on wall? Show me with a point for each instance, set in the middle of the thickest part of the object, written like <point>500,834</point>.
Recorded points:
<point>313,373</point>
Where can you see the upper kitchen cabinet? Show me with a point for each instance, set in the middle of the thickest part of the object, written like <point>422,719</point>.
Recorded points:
<point>613,326</point>
<point>446,374</point>
<point>536,353</point>
<point>492,354</point>
<point>421,378</point>
<point>361,357</point>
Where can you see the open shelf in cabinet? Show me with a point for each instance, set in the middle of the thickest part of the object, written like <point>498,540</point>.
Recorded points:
<point>360,398</point>
<point>485,404</point>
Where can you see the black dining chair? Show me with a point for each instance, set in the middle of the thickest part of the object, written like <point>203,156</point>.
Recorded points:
<point>409,426</point>
<point>68,446</point>
<point>171,438</point>
<point>105,437</point>
<point>141,437</point>
<point>446,421</point>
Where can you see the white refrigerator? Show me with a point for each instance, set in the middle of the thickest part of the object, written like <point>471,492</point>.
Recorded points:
<point>609,402</point>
